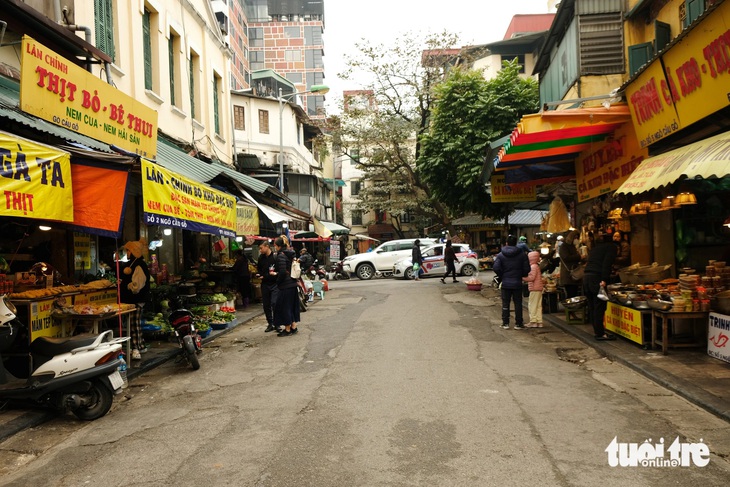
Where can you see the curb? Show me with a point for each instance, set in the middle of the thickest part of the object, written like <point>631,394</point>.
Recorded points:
<point>681,387</point>
<point>37,417</point>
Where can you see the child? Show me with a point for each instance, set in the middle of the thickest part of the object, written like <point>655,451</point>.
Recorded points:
<point>535,285</point>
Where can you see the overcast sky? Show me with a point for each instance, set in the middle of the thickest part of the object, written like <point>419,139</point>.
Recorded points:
<point>382,21</point>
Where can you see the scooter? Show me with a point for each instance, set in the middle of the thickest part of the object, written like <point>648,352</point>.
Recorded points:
<point>78,374</point>
<point>338,272</point>
<point>187,336</point>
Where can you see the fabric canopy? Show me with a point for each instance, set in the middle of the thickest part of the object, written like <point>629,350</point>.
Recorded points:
<point>272,214</point>
<point>543,147</point>
<point>99,198</point>
<point>708,158</point>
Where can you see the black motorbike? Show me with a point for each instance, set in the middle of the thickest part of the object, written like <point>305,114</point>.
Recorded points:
<point>338,272</point>
<point>191,343</point>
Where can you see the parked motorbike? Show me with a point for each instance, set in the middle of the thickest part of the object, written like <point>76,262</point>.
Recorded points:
<point>187,336</point>
<point>78,374</point>
<point>316,271</point>
<point>338,272</point>
<point>303,290</point>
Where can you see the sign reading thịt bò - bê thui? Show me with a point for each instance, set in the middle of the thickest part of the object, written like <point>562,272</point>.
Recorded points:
<point>175,201</point>
<point>35,180</point>
<point>55,89</point>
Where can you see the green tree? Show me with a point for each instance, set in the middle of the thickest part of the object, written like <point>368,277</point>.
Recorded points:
<point>384,127</point>
<point>468,113</point>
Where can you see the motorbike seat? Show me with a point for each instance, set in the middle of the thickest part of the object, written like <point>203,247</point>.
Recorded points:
<point>49,347</point>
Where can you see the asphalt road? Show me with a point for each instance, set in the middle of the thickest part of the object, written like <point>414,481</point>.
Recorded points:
<point>388,383</point>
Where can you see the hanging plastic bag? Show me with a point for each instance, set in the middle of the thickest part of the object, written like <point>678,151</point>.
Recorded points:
<point>602,294</point>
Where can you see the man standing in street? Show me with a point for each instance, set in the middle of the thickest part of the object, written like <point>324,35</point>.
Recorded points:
<point>305,260</point>
<point>269,290</point>
<point>511,265</point>
<point>597,274</point>
<point>416,259</point>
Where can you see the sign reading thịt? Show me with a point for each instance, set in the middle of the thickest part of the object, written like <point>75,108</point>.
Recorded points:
<point>55,89</point>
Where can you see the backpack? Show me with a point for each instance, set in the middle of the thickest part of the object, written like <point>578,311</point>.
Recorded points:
<point>296,269</point>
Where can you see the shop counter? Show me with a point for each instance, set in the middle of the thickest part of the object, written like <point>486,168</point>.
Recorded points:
<point>71,322</point>
<point>667,321</point>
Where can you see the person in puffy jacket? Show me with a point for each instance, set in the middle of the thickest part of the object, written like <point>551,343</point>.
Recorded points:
<point>535,285</point>
<point>511,265</point>
<point>597,274</point>
<point>416,258</point>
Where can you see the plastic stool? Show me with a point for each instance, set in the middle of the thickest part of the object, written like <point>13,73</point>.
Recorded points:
<point>318,289</point>
<point>577,316</point>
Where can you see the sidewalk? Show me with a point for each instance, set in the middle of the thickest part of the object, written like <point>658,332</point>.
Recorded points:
<point>13,421</point>
<point>692,374</point>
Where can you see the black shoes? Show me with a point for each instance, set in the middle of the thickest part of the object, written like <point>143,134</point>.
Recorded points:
<point>454,280</point>
<point>443,281</point>
<point>269,328</point>
<point>284,333</point>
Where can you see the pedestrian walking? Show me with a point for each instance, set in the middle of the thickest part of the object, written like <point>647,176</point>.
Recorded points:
<point>570,258</point>
<point>286,313</point>
<point>450,260</point>
<point>269,289</point>
<point>242,275</point>
<point>597,274</point>
<point>511,265</point>
<point>416,259</point>
<point>535,285</point>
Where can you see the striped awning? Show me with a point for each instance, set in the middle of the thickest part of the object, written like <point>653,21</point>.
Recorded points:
<point>543,147</point>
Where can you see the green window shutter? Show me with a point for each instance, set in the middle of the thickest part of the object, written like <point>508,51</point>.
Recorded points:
<point>216,119</point>
<point>171,54</point>
<point>694,9</point>
<point>639,55</point>
<point>104,19</point>
<point>147,48</point>
<point>192,89</point>
<point>662,35</point>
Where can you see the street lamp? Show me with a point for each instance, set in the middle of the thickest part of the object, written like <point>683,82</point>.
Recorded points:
<point>321,89</point>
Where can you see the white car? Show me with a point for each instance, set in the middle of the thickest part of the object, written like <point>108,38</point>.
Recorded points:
<point>434,265</point>
<point>381,258</point>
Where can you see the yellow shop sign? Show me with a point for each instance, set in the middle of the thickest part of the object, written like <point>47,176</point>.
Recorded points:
<point>247,220</point>
<point>505,193</point>
<point>35,180</point>
<point>57,90</point>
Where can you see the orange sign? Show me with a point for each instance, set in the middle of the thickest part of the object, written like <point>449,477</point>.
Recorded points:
<point>505,193</point>
<point>57,90</point>
<point>604,167</point>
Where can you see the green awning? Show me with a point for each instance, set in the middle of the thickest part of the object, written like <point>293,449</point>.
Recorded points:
<point>339,182</point>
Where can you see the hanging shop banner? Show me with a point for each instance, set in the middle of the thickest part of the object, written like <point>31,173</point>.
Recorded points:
<point>247,220</point>
<point>718,337</point>
<point>82,252</point>
<point>57,90</point>
<point>176,201</point>
<point>505,193</point>
<point>625,322</point>
<point>687,83</point>
<point>605,167</point>
<point>99,198</point>
<point>36,180</point>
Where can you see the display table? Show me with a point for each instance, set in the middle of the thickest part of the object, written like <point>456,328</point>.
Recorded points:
<point>666,319</point>
<point>69,323</point>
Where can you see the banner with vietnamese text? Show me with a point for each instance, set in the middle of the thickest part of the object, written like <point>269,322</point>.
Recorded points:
<point>247,220</point>
<point>55,89</point>
<point>175,201</point>
<point>36,180</point>
<point>505,193</point>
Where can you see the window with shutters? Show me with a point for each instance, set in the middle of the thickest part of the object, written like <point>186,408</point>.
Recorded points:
<point>601,43</point>
<point>174,69</point>
<point>662,35</point>
<point>264,121</point>
<point>104,20</point>
<point>639,55</point>
<point>239,117</point>
<point>216,104</point>
<point>357,217</point>
<point>150,49</point>
<point>194,80</point>
<point>694,8</point>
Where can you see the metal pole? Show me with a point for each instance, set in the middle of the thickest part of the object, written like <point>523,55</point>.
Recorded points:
<point>334,189</point>
<point>281,142</point>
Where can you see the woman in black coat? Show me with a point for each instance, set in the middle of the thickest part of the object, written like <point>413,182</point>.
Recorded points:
<point>286,313</point>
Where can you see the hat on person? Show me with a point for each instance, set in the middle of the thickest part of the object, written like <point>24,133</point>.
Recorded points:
<point>560,237</point>
<point>137,248</point>
<point>304,249</point>
<point>523,239</point>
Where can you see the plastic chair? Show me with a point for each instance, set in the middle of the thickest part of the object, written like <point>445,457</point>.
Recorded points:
<point>318,289</point>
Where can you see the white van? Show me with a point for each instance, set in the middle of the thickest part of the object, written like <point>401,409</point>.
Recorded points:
<point>382,257</point>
